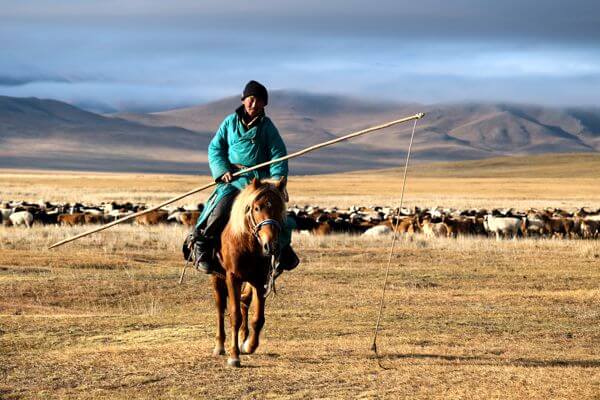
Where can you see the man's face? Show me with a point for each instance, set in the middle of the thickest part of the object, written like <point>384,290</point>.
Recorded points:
<point>253,105</point>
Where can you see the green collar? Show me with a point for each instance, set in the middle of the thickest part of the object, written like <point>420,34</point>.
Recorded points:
<point>255,122</point>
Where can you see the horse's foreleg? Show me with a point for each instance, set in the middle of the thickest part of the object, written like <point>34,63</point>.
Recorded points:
<point>220,295</point>
<point>246,299</point>
<point>233,290</point>
<point>258,321</point>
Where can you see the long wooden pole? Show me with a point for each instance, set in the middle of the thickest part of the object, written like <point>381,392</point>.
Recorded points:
<point>241,172</point>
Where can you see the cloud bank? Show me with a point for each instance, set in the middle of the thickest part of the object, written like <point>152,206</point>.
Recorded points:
<point>150,55</point>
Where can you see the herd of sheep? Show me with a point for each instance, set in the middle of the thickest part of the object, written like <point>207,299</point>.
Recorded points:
<point>441,222</point>
<point>437,222</point>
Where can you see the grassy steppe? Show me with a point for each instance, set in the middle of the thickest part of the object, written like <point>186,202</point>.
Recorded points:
<point>103,317</point>
<point>473,318</point>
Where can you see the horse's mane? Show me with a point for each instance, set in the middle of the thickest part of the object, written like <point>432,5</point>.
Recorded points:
<point>244,200</point>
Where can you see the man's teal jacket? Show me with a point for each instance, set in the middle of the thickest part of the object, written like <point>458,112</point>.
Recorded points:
<point>233,145</point>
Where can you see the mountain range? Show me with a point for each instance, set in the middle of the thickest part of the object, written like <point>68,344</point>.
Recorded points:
<point>49,134</point>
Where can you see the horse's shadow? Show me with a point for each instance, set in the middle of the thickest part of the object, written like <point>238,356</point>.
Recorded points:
<point>493,361</point>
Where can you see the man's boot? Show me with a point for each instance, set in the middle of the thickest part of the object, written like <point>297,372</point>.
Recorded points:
<point>204,255</point>
<point>200,251</point>
<point>288,260</point>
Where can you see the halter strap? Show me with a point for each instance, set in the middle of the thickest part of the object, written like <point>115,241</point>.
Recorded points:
<point>255,226</point>
<point>264,222</point>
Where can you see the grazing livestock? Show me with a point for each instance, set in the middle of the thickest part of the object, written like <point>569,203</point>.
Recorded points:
<point>406,226</point>
<point>590,229</point>
<point>175,216</point>
<point>559,226</point>
<point>5,212</point>
<point>478,228</point>
<point>46,216</point>
<point>533,225</point>
<point>153,218</point>
<point>302,223</point>
<point>379,230</point>
<point>71,219</point>
<point>194,207</point>
<point>502,227</point>
<point>189,218</point>
<point>322,229</point>
<point>432,222</point>
<point>118,214</point>
<point>458,226</point>
<point>19,218</point>
<point>92,210</point>
<point>93,218</point>
<point>433,229</point>
<point>342,226</point>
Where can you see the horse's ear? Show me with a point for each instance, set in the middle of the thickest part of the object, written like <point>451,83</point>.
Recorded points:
<point>281,184</point>
<point>255,183</point>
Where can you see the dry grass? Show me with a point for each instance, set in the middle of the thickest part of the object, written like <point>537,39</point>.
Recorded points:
<point>105,318</point>
<point>518,182</point>
<point>471,318</point>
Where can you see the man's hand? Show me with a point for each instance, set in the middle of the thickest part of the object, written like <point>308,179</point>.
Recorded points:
<point>226,177</point>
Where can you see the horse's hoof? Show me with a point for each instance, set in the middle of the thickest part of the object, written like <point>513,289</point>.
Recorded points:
<point>246,347</point>
<point>233,362</point>
<point>218,351</point>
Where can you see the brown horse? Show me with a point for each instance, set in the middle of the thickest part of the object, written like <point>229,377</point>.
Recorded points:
<point>249,243</point>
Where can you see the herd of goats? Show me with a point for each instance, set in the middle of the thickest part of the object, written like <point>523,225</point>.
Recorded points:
<point>583,223</point>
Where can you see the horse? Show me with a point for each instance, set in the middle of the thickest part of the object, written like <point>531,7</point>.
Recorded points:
<point>249,248</point>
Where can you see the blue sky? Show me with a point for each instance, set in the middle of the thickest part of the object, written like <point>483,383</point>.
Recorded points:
<point>149,55</point>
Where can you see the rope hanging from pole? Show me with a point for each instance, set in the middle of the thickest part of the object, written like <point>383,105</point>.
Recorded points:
<point>241,172</point>
<point>389,262</point>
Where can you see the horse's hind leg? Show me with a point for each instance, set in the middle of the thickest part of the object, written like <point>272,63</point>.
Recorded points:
<point>246,299</point>
<point>220,295</point>
<point>234,286</point>
<point>258,321</point>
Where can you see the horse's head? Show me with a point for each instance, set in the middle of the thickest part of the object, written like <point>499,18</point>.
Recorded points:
<point>259,210</point>
<point>266,214</point>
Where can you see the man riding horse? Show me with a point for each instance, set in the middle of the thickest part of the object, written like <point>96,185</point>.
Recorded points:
<point>245,138</point>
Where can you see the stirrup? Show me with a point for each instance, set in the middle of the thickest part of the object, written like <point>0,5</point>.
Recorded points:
<point>288,260</point>
<point>203,266</point>
<point>203,261</point>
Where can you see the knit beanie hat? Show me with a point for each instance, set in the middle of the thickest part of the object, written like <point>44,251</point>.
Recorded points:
<point>257,90</point>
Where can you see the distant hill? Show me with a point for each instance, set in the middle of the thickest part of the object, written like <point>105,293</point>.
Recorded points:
<point>449,131</point>
<point>549,165</point>
<point>50,134</point>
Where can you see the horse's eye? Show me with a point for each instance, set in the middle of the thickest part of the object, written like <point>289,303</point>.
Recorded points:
<point>268,204</point>
<point>257,208</point>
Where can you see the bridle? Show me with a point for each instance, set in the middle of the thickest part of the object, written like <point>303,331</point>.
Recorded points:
<point>256,226</point>
<point>268,221</point>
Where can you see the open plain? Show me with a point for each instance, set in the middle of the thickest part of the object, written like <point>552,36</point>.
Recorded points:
<point>104,317</point>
